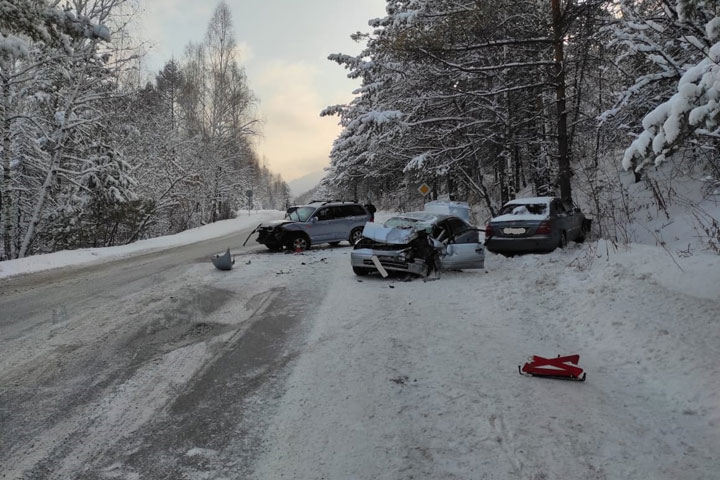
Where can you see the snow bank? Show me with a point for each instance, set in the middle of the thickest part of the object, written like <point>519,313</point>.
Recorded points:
<point>67,258</point>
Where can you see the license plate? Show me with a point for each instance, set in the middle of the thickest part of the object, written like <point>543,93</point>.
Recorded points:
<point>513,231</point>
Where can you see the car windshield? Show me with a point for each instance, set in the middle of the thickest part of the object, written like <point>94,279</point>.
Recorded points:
<point>301,214</point>
<point>523,208</point>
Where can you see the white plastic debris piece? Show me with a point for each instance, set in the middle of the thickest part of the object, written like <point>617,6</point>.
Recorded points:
<point>379,266</point>
<point>224,261</point>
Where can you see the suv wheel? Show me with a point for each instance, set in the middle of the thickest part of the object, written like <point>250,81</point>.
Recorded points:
<point>299,242</point>
<point>355,235</point>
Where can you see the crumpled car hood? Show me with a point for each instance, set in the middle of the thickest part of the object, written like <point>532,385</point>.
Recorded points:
<point>394,236</point>
<point>275,223</point>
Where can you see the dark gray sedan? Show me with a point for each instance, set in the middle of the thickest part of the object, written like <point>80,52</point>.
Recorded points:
<point>539,224</point>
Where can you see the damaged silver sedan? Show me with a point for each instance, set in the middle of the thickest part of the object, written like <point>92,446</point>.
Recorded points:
<point>418,243</point>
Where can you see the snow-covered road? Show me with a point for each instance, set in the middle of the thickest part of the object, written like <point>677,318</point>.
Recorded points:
<point>289,366</point>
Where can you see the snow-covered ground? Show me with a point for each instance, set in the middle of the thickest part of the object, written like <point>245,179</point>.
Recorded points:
<point>418,379</point>
<point>67,258</point>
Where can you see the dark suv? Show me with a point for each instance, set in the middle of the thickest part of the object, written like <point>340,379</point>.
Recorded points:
<point>315,223</point>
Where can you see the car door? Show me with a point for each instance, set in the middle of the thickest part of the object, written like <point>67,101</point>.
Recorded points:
<point>339,224</point>
<point>358,218</point>
<point>560,217</point>
<point>321,229</point>
<point>463,249</point>
<point>573,222</point>
<point>577,221</point>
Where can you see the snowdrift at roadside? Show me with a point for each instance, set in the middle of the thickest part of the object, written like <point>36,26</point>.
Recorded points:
<point>66,258</point>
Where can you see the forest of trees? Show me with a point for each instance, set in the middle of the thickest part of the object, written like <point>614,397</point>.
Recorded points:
<point>481,100</point>
<point>488,100</point>
<point>92,154</point>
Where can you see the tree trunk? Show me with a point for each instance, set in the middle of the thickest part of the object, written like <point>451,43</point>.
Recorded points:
<point>563,156</point>
<point>5,182</point>
<point>40,203</point>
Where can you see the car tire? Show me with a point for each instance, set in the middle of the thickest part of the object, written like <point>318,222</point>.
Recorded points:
<point>355,236</point>
<point>563,239</point>
<point>360,271</point>
<point>299,242</point>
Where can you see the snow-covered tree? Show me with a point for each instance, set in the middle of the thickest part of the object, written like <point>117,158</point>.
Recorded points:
<point>54,80</point>
<point>469,97</point>
<point>668,52</point>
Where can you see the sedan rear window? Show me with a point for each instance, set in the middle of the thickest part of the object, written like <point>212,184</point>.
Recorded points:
<point>524,208</point>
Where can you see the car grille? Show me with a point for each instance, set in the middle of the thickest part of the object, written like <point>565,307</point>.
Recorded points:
<point>387,263</point>
<point>367,243</point>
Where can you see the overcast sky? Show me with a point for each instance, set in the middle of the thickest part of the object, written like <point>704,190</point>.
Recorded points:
<point>285,44</point>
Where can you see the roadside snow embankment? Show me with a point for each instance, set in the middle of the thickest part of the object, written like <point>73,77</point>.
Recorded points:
<point>81,256</point>
<point>420,380</point>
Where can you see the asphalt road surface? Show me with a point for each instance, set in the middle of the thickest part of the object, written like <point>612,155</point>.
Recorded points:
<point>137,368</point>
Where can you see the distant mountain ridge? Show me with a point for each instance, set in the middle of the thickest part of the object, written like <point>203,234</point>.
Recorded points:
<point>305,183</point>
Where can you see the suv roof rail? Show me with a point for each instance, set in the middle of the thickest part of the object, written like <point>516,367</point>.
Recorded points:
<point>325,202</point>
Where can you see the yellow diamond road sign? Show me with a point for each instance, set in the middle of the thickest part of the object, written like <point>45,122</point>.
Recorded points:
<point>424,189</point>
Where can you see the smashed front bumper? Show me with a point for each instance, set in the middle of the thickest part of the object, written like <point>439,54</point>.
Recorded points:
<point>272,237</point>
<point>391,260</point>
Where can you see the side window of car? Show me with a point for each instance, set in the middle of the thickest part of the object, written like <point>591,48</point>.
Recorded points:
<point>457,226</point>
<point>344,211</point>
<point>357,210</point>
<point>440,232</point>
<point>462,232</point>
<point>324,214</point>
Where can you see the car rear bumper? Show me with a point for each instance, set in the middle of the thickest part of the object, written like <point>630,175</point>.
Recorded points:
<point>362,257</point>
<point>537,243</point>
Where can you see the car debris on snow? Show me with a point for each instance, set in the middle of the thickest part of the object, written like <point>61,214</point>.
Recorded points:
<point>224,261</point>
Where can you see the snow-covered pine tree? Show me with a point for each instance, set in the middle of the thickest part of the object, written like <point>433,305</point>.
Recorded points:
<point>455,90</point>
<point>679,98</point>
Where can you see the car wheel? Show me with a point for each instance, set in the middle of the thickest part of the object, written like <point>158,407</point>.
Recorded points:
<point>355,235</point>
<point>563,239</point>
<point>299,242</point>
<point>360,271</point>
<point>334,244</point>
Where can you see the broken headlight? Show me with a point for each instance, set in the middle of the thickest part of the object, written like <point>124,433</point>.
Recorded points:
<point>405,255</point>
